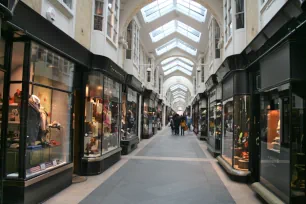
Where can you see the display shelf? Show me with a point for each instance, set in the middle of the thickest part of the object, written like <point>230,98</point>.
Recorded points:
<point>12,104</point>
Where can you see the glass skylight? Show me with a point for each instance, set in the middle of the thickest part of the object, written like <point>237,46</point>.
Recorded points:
<point>179,99</point>
<point>179,92</point>
<point>179,96</point>
<point>180,86</point>
<point>177,63</point>
<point>180,58</point>
<point>176,43</point>
<point>175,26</point>
<point>159,8</point>
<point>173,69</point>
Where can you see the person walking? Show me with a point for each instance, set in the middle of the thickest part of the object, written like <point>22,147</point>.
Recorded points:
<point>183,125</point>
<point>172,125</point>
<point>189,121</point>
<point>177,122</point>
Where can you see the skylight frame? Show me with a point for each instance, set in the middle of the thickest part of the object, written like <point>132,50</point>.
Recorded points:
<point>170,59</point>
<point>172,27</point>
<point>181,86</point>
<point>177,68</point>
<point>176,43</point>
<point>159,8</point>
<point>179,96</point>
<point>177,62</point>
<point>179,92</point>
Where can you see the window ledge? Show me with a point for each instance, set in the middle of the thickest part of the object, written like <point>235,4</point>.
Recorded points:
<point>228,42</point>
<point>62,8</point>
<point>111,42</point>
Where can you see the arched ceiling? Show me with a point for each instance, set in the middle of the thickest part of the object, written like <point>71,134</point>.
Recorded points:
<point>173,28</point>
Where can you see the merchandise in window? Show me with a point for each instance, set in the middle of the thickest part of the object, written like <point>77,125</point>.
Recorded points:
<point>218,125</point>
<point>211,125</point>
<point>129,115</point>
<point>228,124</point>
<point>2,75</point>
<point>48,120</point>
<point>275,139</point>
<point>93,115</point>
<point>98,16</point>
<point>241,132</point>
<point>204,121</point>
<point>239,14</point>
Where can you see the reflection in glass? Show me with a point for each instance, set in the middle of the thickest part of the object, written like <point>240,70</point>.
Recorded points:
<point>218,125</point>
<point>228,124</point>
<point>241,132</point>
<point>93,115</point>
<point>110,115</point>
<point>131,114</point>
<point>275,154</point>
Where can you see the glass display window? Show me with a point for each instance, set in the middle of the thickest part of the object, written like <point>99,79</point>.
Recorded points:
<point>218,125</point>
<point>298,145</point>
<point>275,137</point>
<point>131,114</point>
<point>93,115</point>
<point>204,122</point>
<point>146,116</point>
<point>111,115</point>
<point>211,139</point>
<point>241,132</point>
<point>46,107</point>
<point>228,129</point>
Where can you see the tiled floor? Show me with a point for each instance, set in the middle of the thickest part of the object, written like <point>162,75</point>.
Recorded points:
<point>165,169</point>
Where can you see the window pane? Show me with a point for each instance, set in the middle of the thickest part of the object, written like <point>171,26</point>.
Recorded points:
<point>131,113</point>
<point>13,130</point>
<point>68,3</point>
<point>110,115</point>
<point>93,115</point>
<point>228,124</point>
<point>241,132</point>
<point>17,61</point>
<point>50,69</point>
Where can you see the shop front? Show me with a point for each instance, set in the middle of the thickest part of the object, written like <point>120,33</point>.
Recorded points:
<point>214,91</point>
<point>196,114</point>
<point>148,118</point>
<point>100,143</point>
<point>37,85</point>
<point>203,121</point>
<point>130,114</point>
<point>159,114</point>
<point>282,121</point>
<point>236,123</point>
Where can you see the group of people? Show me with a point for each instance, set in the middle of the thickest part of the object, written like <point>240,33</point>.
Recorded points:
<point>180,123</point>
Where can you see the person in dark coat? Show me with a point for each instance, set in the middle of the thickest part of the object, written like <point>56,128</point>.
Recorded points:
<point>177,122</point>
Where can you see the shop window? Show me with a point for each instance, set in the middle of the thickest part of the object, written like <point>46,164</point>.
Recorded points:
<point>112,20</point>
<point>298,146</point>
<point>241,132</point>
<point>239,14</point>
<point>129,36</point>
<point>130,125</point>
<point>110,115</point>
<point>93,115</point>
<point>228,124</point>
<point>98,15</point>
<point>48,120</point>
<point>275,152</point>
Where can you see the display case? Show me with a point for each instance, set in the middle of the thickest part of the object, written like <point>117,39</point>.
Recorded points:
<point>149,108</point>
<point>204,123</point>
<point>100,146</point>
<point>129,121</point>
<point>37,150</point>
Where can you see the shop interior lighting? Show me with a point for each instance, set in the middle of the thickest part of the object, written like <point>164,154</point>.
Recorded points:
<point>176,43</point>
<point>159,8</point>
<point>175,26</point>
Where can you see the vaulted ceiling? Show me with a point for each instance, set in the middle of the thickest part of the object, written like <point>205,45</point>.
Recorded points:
<point>176,32</point>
